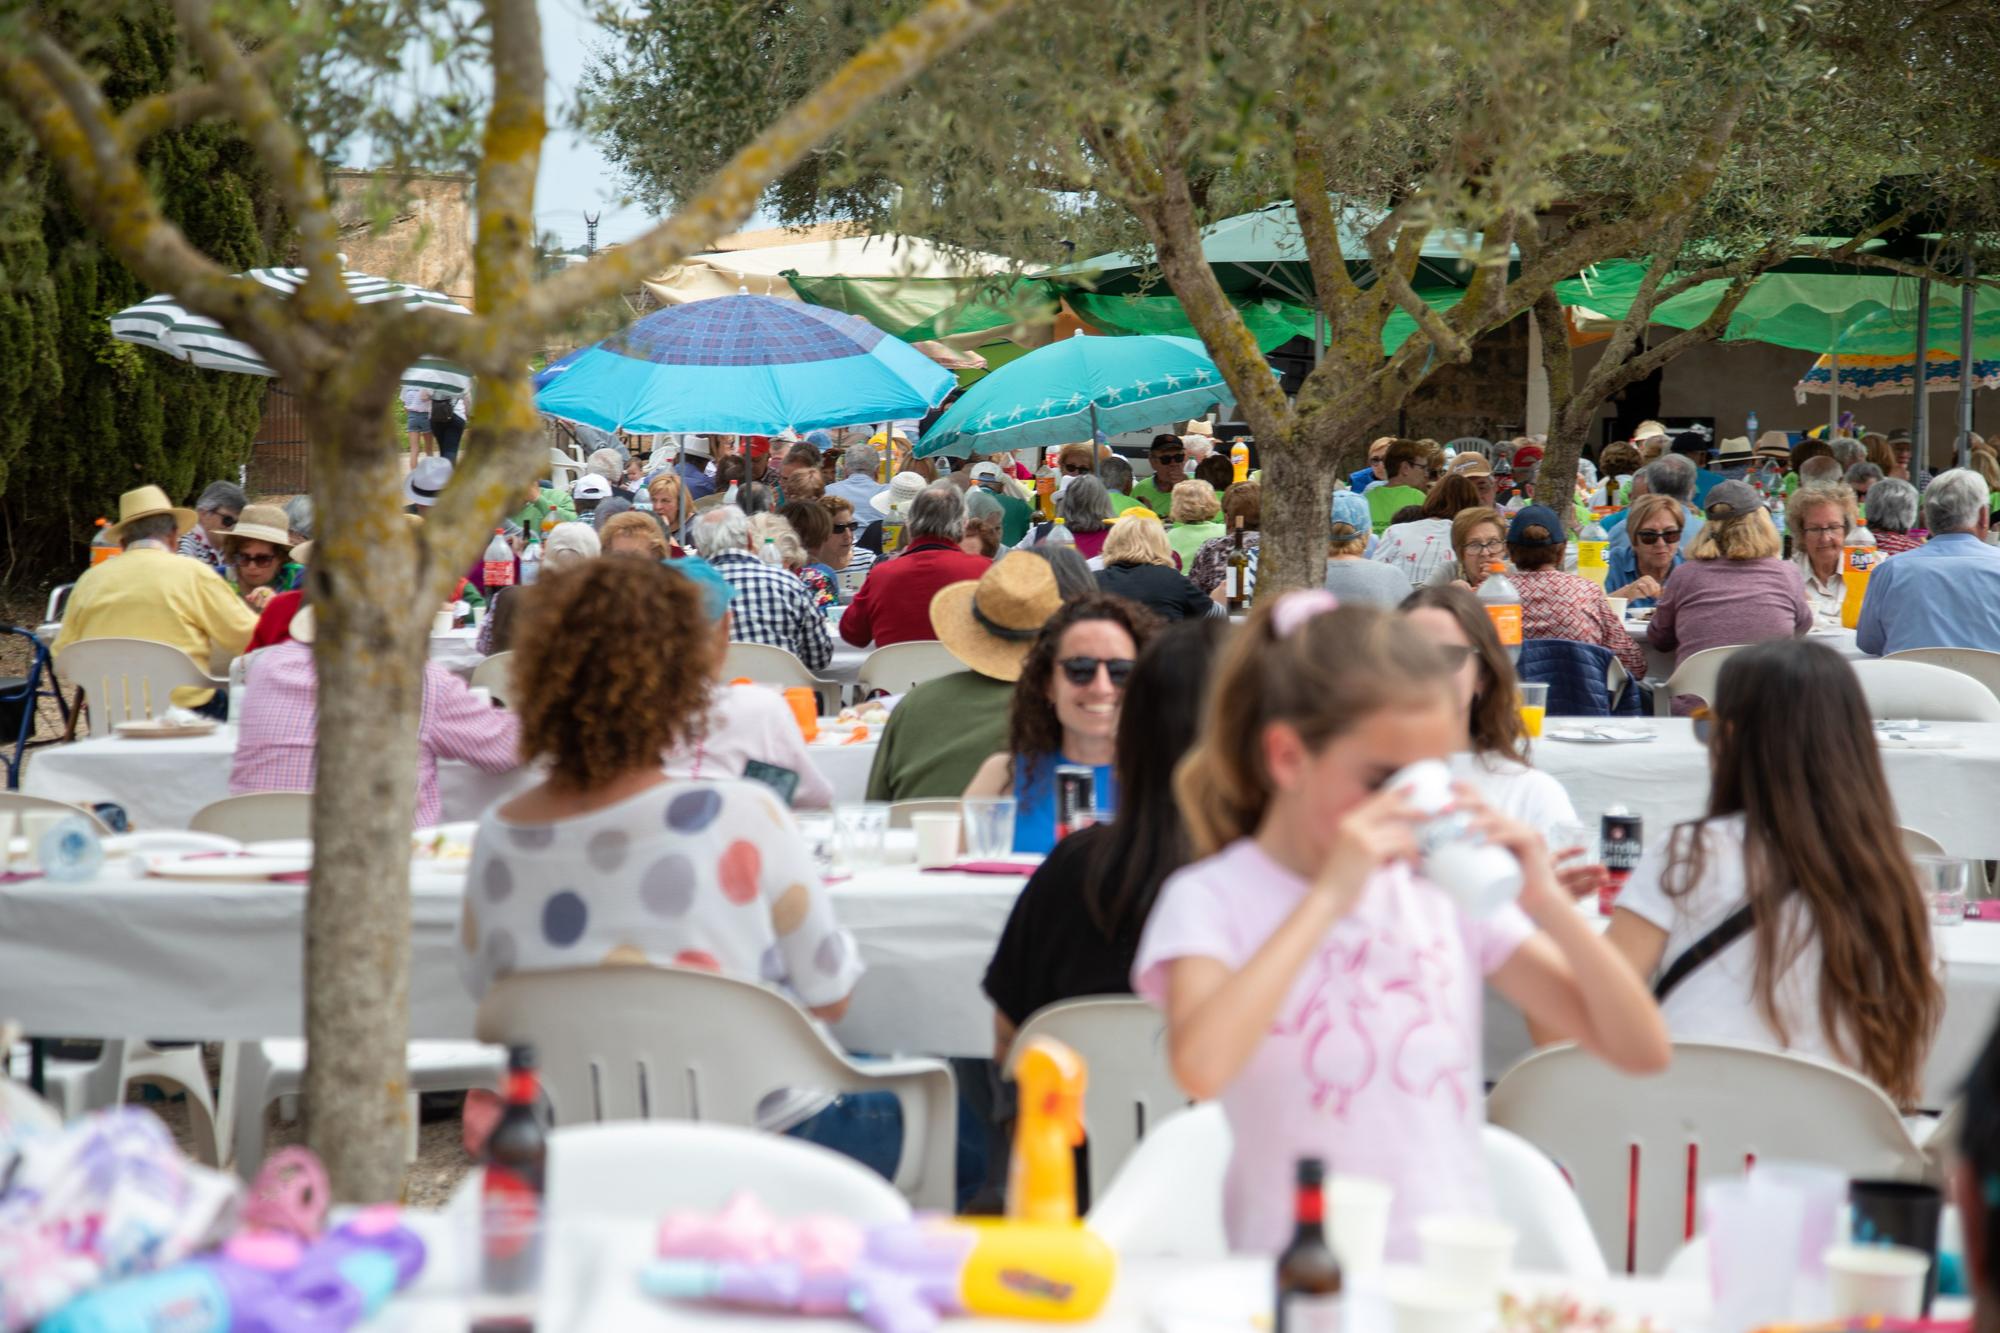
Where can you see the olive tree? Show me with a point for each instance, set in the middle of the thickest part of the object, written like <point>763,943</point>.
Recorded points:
<point>292,81</point>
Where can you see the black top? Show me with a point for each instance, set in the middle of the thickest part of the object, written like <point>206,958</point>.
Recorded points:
<point>1051,950</point>
<point>1167,593</point>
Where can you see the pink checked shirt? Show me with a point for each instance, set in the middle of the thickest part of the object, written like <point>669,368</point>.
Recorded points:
<point>277,736</point>
<point>1555,605</point>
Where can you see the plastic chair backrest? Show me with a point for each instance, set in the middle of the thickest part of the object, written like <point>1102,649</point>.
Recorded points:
<point>126,679</point>
<point>1696,675</point>
<point>774,666</point>
<point>901,667</point>
<point>257,817</point>
<point>1977,663</point>
<point>642,1169</point>
<point>1716,1107</point>
<point>1918,843</point>
<point>1899,689</point>
<point>1531,1195</point>
<point>21,803</point>
<point>1131,1088</point>
<point>58,599</point>
<point>1166,1201</point>
<point>496,674</point>
<point>900,811</point>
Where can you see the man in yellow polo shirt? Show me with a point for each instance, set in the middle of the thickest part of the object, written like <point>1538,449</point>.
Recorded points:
<point>151,592</point>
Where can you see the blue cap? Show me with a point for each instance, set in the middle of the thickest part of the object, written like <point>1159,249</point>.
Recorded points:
<point>1536,516</point>
<point>716,591</point>
<point>1349,508</point>
<point>819,439</point>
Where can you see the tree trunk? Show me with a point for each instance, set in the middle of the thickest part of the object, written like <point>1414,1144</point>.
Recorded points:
<point>372,644</point>
<point>1555,482</point>
<point>1297,498</point>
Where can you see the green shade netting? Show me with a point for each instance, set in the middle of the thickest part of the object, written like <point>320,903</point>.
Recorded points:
<point>915,309</point>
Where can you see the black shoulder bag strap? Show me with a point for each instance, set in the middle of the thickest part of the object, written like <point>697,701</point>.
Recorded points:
<point>1731,929</point>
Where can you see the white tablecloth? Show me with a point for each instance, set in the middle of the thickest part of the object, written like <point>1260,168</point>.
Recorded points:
<point>219,960</point>
<point>453,650</point>
<point>163,783</point>
<point>1946,793</point>
<point>1660,665</point>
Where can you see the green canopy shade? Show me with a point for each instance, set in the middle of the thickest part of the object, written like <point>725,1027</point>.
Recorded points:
<point>915,309</point>
<point>1271,322</point>
<point>1808,311</point>
<point>1894,332</point>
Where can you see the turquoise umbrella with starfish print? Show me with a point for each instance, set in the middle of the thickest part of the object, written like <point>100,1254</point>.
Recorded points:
<point>1062,393</point>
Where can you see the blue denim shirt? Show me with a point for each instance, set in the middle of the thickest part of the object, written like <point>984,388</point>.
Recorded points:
<point>1944,594</point>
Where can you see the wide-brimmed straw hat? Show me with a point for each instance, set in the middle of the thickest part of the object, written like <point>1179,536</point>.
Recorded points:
<point>902,490</point>
<point>148,502</point>
<point>991,624</point>
<point>1774,444</point>
<point>260,523</point>
<point>1735,449</point>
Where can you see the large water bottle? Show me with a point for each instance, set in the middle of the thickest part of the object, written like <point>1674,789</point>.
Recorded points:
<point>1750,424</point>
<point>1858,558</point>
<point>497,568</point>
<point>1590,544</point>
<point>1501,601</point>
<point>531,561</point>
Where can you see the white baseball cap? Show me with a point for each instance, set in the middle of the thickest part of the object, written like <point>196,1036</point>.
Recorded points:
<point>987,472</point>
<point>590,486</point>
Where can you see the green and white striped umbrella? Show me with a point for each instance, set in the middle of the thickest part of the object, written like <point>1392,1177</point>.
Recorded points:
<point>162,323</point>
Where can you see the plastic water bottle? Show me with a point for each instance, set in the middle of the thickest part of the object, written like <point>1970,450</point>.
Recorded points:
<point>1750,423</point>
<point>71,850</point>
<point>1858,558</point>
<point>531,561</point>
<point>497,569</point>
<point>1501,601</point>
<point>1590,544</point>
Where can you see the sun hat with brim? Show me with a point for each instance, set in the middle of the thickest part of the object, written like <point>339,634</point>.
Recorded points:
<point>1735,449</point>
<point>427,480</point>
<point>991,624</point>
<point>260,523</point>
<point>1774,444</point>
<point>1731,499</point>
<point>148,502</point>
<point>903,488</point>
<point>1536,516</point>
<point>1470,465</point>
<point>1200,426</point>
<point>1649,430</point>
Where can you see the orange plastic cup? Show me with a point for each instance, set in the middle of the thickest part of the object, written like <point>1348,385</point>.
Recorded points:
<point>805,711</point>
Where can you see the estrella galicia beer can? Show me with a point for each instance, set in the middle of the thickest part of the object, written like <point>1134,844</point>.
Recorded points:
<point>1621,842</point>
<point>1076,798</point>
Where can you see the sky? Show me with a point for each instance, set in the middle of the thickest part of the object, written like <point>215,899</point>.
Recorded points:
<point>575,177</point>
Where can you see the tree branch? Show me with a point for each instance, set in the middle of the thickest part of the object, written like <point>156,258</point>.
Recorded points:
<point>510,155</point>
<point>1389,271</point>
<point>178,108</point>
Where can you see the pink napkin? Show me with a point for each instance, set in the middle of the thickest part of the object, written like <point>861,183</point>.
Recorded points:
<point>17,876</point>
<point>983,868</point>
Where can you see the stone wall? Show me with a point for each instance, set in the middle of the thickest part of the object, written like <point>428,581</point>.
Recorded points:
<point>416,229</point>
<point>1486,396</point>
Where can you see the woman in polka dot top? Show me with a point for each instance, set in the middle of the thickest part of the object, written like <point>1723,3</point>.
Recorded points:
<point>611,862</point>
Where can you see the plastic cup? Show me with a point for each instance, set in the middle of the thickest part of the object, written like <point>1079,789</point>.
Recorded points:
<point>862,828</point>
<point>441,623</point>
<point>1534,706</point>
<point>937,839</point>
<point>1887,1280</point>
<point>1358,1222</point>
<point>804,704</point>
<point>1945,881</point>
<point>1433,1304</point>
<point>989,827</point>
<point>1618,605</point>
<point>1472,1252</point>
<point>1753,1244</point>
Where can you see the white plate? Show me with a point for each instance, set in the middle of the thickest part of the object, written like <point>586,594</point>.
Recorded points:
<point>161,841</point>
<point>292,849</point>
<point>205,866</point>
<point>1598,736</point>
<point>153,729</point>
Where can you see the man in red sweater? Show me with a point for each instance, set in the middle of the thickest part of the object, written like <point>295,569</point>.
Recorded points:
<point>894,604</point>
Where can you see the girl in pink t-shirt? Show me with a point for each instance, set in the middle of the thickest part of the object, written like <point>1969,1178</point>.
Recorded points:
<point>1312,980</point>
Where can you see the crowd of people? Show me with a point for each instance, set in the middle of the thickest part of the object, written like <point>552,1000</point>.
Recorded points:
<point>1249,870</point>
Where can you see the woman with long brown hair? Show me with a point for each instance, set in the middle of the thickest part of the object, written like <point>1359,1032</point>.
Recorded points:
<point>1827,949</point>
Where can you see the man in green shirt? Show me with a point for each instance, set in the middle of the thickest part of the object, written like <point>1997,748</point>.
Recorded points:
<point>1015,513</point>
<point>542,501</point>
<point>1403,466</point>
<point>1116,474</point>
<point>1169,459</point>
<point>944,729</point>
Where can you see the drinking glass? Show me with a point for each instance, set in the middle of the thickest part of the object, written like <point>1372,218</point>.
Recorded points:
<point>819,833</point>
<point>1534,706</point>
<point>989,827</point>
<point>862,827</point>
<point>1944,880</point>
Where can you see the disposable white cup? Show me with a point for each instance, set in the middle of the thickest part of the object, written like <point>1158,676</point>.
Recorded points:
<point>937,839</point>
<point>1427,1303</point>
<point>1618,605</point>
<point>1753,1235</point>
<point>1358,1221</point>
<point>1876,1280</point>
<point>1473,1252</point>
<point>441,622</point>
<point>36,823</point>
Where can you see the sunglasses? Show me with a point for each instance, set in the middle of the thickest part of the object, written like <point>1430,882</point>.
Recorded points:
<point>1083,670</point>
<point>1654,536</point>
<point>1076,469</point>
<point>845,527</point>
<point>1168,460</point>
<point>226,520</point>
<point>256,561</point>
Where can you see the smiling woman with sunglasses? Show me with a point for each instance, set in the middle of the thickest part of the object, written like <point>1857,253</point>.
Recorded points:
<point>1637,572</point>
<point>1065,711</point>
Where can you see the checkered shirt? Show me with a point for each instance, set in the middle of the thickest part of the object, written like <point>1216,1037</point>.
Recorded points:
<point>773,606</point>
<point>1555,605</point>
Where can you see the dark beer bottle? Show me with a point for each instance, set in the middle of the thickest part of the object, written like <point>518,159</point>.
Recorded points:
<point>1308,1274</point>
<point>511,1196</point>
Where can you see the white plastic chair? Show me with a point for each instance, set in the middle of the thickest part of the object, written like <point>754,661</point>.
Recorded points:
<point>1529,1193</point>
<point>1717,1106</point>
<point>774,666</point>
<point>1982,666</point>
<point>257,816</point>
<point>496,674</point>
<point>1918,843</point>
<point>641,1169</point>
<point>639,1043</point>
<point>128,679</point>
<point>1696,675</point>
<point>900,812</point>
<point>1130,1088</point>
<point>563,469</point>
<point>15,802</point>
<point>1898,689</point>
<point>73,1087</point>
<point>265,1071</point>
<point>901,667</point>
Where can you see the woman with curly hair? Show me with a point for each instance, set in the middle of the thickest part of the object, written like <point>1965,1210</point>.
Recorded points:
<point>610,861</point>
<point>1065,712</point>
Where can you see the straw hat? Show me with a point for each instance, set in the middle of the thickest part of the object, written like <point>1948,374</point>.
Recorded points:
<point>1649,430</point>
<point>1735,449</point>
<point>1774,444</point>
<point>260,523</point>
<point>901,490</point>
<point>1200,426</point>
<point>147,502</point>
<point>990,625</point>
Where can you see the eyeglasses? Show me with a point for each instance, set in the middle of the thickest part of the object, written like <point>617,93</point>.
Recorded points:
<point>1076,469</point>
<point>256,561</point>
<point>226,520</point>
<point>1168,460</point>
<point>845,527</point>
<point>1838,529</point>
<point>1489,544</point>
<point>1083,670</point>
<point>1654,536</point>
